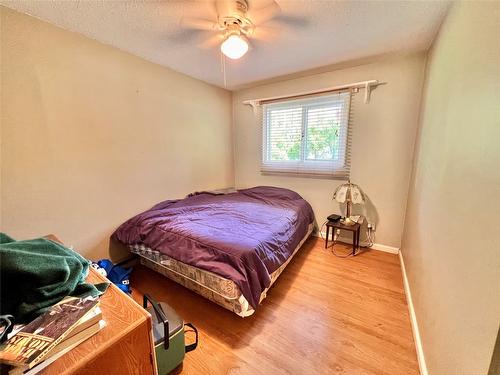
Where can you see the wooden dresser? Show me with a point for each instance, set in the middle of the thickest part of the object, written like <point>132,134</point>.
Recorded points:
<point>123,346</point>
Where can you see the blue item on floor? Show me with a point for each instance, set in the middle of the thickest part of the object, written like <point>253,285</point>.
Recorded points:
<point>118,275</point>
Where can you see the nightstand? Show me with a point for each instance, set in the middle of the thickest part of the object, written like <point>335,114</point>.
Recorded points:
<point>355,229</point>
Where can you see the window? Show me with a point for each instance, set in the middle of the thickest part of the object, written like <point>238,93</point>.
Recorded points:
<point>307,136</point>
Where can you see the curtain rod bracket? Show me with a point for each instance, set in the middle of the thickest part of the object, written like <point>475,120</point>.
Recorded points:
<point>368,89</point>
<point>254,103</point>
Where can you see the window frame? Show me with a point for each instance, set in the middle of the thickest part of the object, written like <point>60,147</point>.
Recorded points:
<point>304,166</point>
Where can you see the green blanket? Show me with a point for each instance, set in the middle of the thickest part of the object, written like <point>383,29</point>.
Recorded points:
<point>35,274</point>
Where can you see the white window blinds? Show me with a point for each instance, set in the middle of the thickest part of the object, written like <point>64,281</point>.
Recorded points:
<point>307,136</point>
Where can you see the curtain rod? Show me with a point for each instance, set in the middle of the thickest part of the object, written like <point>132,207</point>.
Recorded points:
<point>367,85</point>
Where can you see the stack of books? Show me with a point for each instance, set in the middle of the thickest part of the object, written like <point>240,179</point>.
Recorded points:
<point>54,333</point>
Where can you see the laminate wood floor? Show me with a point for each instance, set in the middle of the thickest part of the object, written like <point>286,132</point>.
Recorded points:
<point>324,315</point>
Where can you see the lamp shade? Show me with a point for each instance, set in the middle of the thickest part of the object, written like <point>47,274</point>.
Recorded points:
<point>349,192</point>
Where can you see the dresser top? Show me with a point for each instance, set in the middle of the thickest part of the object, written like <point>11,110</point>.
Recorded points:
<point>121,314</point>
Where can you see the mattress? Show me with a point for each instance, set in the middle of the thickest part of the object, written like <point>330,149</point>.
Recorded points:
<point>243,236</point>
<point>214,287</point>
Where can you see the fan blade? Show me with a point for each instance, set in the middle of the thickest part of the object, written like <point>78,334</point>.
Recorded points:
<point>198,24</point>
<point>211,42</point>
<point>185,36</point>
<point>213,9</point>
<point>264,14</point>
<point>265,33</point>
<point>221,7</point>
<point>251,46</point>
<point>292,20</point>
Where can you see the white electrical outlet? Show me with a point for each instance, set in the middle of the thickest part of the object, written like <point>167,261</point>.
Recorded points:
<point>371,226</point>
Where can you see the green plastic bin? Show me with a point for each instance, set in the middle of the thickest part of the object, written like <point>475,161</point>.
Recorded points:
<point>168,333</point>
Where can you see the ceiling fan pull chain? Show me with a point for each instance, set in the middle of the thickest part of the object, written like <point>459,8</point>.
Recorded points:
<point>223,67</point>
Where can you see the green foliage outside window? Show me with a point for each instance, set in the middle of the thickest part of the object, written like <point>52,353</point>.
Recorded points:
<point>322,143</point>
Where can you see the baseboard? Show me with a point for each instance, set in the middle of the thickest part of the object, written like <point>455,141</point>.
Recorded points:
<point>413,320</point>
<point>387,249</point>
<point>376,246</point>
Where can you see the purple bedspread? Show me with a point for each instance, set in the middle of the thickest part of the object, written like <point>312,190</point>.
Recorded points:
<point>242,236</point>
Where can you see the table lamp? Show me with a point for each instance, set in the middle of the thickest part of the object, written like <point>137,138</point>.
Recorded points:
<point>350,194</point>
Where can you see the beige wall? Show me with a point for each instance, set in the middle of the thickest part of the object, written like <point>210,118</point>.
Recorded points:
<point>382,146</point>
<point>92,135</point>
<point>451,243</point>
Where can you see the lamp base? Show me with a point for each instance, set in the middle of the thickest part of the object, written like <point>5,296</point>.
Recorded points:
<point>347,221</point>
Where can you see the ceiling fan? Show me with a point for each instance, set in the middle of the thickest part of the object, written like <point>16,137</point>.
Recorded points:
<point>236,24</point>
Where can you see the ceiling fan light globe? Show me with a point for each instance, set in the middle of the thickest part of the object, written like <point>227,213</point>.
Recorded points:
<point>234,47</point>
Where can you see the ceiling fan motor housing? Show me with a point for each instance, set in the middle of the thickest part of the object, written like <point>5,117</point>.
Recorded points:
<point>235,20</point>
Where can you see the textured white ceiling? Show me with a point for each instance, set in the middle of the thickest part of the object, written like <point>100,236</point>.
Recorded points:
<point>318,33</point>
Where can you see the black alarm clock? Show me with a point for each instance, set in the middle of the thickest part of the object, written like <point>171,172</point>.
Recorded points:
<point>334,217</point>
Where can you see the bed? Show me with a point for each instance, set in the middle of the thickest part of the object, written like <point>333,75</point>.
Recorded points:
<point>230,248</point>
